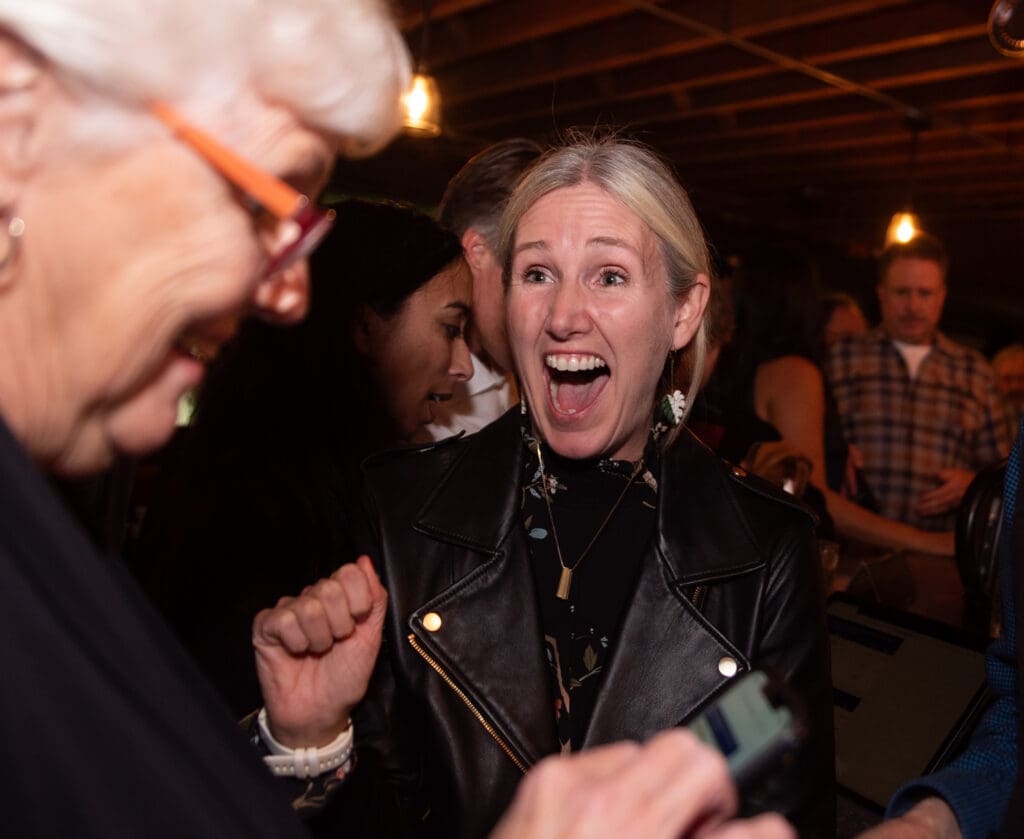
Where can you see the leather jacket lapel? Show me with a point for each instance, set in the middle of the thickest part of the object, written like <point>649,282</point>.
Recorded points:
<point>703,533</point>
<point>477,502</point>
<point>666,648</point>
<point>489,642</point>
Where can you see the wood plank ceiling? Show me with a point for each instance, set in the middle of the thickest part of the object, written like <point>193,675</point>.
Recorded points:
<point>784,118</point>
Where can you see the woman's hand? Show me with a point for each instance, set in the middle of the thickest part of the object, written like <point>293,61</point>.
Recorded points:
<point>930,819</point>
<point>947,495</point>
<point>670,787</point>
<point>315,654</point>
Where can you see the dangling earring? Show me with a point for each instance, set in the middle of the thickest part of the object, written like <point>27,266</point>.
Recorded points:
<point>672,405</point>
<point>675,399</point>
<point>9,248</point>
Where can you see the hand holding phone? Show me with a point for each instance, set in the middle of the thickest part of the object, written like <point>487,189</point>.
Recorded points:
<point>754,723</point>
<point>668,787</point>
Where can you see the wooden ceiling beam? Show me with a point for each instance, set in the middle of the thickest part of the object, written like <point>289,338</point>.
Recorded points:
<point>722,83</point>
<point>678,76</point>
<point>784,100</point>
<point>882,132</point>
<point>850,174</point>
<point>894,156</point>
<point>944,100</point>
<point>410,12</point>
<point>898,72</point>
<point>846,203</point>
<point>637,38</point>
<point>986,113</point>
<point>500,26</point>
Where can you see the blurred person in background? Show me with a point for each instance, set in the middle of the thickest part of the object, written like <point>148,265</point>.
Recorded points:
<point>922,410</point>
<point>471,208</point>
<point>771,368</point>
<point>843,316</point>
<point>727,429</point>
<point>1008,365</point>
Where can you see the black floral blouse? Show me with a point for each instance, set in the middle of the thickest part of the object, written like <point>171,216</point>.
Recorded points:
<point>579,633</point>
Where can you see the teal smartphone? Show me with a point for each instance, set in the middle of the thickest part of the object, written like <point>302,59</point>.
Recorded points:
<point>754,723</point>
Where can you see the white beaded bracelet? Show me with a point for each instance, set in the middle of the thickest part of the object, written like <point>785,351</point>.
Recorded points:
<point>305,762</point>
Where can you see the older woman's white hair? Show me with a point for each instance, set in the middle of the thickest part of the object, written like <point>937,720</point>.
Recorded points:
<point>339,65</point>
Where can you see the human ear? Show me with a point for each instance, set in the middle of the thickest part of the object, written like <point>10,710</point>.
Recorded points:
<point>25,86</point>
<point>476,250</point>
<point>367,330</point>
<point>283,297</point>
<point>690,310</point>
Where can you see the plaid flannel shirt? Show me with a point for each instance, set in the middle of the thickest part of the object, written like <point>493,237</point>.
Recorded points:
<point>949,416</point>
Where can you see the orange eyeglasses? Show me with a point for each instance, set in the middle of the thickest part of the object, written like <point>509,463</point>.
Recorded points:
<point>302,225</point>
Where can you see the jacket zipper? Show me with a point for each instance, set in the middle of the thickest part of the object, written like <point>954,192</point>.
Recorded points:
<point>507,749</point>
<point>697,598</point>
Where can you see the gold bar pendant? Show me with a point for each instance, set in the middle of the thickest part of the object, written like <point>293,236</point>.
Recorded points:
<point>564,582</point>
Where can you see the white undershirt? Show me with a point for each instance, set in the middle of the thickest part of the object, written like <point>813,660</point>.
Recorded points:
<point>913,355</point>
<point>474,404</point>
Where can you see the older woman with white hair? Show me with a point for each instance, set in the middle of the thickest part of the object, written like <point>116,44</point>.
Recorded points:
<point>158,162</point>
<point>581,571</point>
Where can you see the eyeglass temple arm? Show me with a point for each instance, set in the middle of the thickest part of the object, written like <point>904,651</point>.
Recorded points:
<point>275,195</point>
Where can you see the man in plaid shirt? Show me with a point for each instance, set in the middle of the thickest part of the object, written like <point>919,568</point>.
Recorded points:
<point>922,410</point>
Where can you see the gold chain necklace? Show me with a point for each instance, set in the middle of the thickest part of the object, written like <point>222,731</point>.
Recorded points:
<point>565,578</point>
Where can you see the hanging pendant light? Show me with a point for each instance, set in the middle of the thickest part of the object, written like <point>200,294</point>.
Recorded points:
<point>421,104</point>
<point>906,224</point>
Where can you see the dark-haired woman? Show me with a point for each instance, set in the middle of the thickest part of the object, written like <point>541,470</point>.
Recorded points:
<point>260,503</point>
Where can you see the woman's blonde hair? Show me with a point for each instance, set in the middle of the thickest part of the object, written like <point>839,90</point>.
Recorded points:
<point>634,175</point>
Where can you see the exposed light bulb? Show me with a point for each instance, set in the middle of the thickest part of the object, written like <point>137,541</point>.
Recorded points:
<point>416,100</point>
<point>903,227</point>
<point>905,230</point>
<point>422,106</point>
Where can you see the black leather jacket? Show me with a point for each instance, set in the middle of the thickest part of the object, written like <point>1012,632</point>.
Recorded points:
<point>460,707</point>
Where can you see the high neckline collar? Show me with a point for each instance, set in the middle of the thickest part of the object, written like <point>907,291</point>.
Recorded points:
<point>568,465</point>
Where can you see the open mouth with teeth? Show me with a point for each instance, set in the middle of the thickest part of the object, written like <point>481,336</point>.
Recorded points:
<point>575,381</point>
